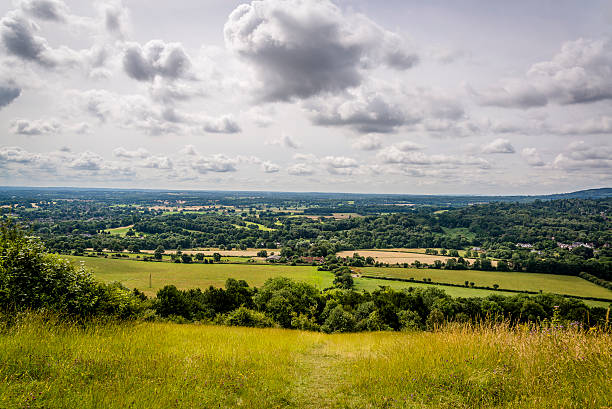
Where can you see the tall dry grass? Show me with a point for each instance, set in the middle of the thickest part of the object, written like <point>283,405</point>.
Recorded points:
<point>48,364</point>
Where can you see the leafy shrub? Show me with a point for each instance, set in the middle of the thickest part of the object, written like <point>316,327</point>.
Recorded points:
<point>33,279</point>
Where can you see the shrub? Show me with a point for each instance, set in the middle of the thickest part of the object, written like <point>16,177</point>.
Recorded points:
<point>339,320</point>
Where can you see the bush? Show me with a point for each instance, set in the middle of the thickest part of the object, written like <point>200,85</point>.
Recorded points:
<point>33,279</point>
<point>339,320</point>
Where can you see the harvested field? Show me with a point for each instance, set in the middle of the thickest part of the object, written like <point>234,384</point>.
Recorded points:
<point>393,257</point>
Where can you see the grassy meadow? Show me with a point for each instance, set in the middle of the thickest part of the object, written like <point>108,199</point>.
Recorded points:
<point>552,283</point>
<point>135,274</point>
<point>164,365</point>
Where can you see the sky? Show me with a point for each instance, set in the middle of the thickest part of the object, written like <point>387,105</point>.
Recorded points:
<point>400,96</point>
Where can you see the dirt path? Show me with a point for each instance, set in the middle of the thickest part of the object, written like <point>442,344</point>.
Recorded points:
<point>319,373</point>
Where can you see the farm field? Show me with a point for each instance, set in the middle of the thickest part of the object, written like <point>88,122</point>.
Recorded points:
<point>135,274</point>
<point>121,231</point>
<point>162,365</point>
<point>559,284</point>
<point>393,257</point>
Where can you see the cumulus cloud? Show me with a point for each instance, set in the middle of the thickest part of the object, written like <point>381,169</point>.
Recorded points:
<point>300,169</point>
<point>8,94</point>
<point>499,145</point>
<point>225,124</point>
<point>580,73</point>
<point>339,165</point>
<point>285,141</point>
<point>532,157</point>
<point>216,163</point>
<point>116,18</point>
<point>592,126</point>
<point>407,146</point>
<point>36,127</point>
<point>363,111</point>
<point>393,155</point>
<point>270,167</point>
<point>368,143</point>
<point>87,161</point>
<point>157,162</point>
<point>584,156</point>
<point>303,48</point>
<point>156,58</point>
<point>121,152</point>
<point>50,10</point>
<point>139,112</point>
<point>17,34</point>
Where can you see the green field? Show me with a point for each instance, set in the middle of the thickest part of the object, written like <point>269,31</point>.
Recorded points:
<point>135,274</point>
<point>163,365</point>
<point>120,231</point>
<point>559,284</point>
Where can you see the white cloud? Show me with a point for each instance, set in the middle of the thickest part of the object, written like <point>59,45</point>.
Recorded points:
<point>532,157</point>
<point>368,143</point>
<point>300,169</point>
<point>270,167</point>
<point>36,127</point>
<point>580,73</point>
<point>499,145</point>
<point>121,152</point>
<point>285,141</point>
<point>580,156</point>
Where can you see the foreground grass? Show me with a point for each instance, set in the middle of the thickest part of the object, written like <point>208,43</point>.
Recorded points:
<point>159,365</point>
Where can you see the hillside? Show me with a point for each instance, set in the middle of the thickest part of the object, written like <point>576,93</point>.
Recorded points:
<point>160,365</point>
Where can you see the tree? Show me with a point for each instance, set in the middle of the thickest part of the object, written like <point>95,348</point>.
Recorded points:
<point>262,253</point>
<point>159,251</point>
<point>216,257</point>
<point>344,281</point>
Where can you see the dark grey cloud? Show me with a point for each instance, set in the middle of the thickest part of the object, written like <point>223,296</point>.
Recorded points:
<point>18,38</point>
<point>156,58</point>
<point>8,94</point>
<point>301,48</point>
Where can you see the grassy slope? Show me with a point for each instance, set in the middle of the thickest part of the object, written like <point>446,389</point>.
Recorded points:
<point>135,274</point>
<point>161,365</point>
<point>508,280</point>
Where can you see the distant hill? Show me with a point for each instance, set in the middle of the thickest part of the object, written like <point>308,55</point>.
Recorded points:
<point>601,193</point>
